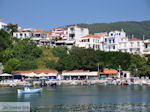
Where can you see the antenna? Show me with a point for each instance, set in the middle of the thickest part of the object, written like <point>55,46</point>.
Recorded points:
<point>132,35</point>
<point>143,37</point>
<point>122,30</point>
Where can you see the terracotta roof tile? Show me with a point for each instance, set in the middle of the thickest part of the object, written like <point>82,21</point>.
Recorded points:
<point>135,39</point>
<point>109,71</point>
<point>36,71</point>
<point>58,28</point>
<point>14,72</point>
<point>91,36</point>
<point>76,71</point>
<point>45,71</point>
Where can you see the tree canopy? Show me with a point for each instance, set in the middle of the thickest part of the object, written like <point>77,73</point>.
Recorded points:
<point>138,29</point>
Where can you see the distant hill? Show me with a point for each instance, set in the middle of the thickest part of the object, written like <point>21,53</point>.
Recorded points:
<point>138,29</point>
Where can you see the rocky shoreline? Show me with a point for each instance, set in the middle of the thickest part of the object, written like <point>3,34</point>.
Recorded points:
<point>19,83</point>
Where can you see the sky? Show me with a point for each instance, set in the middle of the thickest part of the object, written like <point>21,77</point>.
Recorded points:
<point>46,14</point>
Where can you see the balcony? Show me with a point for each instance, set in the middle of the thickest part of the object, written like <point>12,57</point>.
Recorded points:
<point>146,51</point>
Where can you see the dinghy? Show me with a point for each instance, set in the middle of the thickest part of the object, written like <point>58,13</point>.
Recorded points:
<point>30,90</point>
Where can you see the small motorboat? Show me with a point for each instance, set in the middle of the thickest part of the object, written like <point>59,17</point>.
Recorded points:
<point>74,83</point>
<point>53,84</point>
<point>30,90</point>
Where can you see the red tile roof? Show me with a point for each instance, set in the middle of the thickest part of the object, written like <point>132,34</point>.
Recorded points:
<point>38,30</point>
<point>23,31</point>
<point>49,32</point>
<point>135,39</point>
<point>36,71</point>
<point>109,71</point>
<point>14,72</point>
<point>91,36</point>
<point>45,71</point>
<point>58,28</point>
<point>76,71</point>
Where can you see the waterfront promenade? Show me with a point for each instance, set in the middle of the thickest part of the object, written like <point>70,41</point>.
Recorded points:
<point>17,83</point>
<point>13,83</point>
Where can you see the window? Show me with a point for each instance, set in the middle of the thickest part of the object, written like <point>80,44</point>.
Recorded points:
<point>72,36</point>
<point>72,29</point>
<point>138,44</point>
<point>131,44</point>
<point>124,44</point>
<point>113,40</point>
<point>111,34</point>
<point>109,41</point>
<point>37,35</point>
<point>146,46</point>
<point>105,40</point>
<point>113,47</point>
<point>25,34</point>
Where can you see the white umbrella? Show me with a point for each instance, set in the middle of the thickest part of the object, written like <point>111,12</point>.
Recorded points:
<point>30,75</point>
<point>5,75</point>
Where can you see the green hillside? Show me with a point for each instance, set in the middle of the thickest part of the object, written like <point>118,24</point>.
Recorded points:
<point>138,29</point>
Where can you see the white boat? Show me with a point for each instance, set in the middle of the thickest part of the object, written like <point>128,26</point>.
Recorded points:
<point>30,90</point>
<point>74,83</point>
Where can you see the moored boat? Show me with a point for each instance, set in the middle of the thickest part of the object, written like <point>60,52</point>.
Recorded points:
<point>30,90</point>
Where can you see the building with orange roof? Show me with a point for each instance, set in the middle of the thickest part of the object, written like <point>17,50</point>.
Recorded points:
<point>136,45</point>
<point>102,34</point>
<point>90,41</point>
<point>146,51</point>
<point>50,74</point>
<point>107,72</point>
<point>38,35</point>
<point>59,33</point>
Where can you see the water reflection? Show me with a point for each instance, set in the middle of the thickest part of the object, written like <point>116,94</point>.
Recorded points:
<point>28,96</point>
<point>74,95</point>
<point>103,107</point>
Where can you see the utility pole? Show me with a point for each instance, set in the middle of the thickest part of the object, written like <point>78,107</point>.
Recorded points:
<point>98,67</point>
<point>143,37</point>
<point>132,35</point>
<point>119,72</point>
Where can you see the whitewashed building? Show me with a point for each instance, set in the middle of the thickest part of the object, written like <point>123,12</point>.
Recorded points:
<point>2,25</point>
<point>90,41</point>
<point>146,51</point>
<point>75,32</point>
<point>79,74</point>
<point>59,33</point>
<point>22,34</point>
<point>37,35</point>
<point>136,46</point>
<point>115,41</point>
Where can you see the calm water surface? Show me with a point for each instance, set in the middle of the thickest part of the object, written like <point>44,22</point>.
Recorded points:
<point>89,98</point>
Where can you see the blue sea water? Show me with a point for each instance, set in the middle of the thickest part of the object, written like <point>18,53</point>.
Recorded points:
<point>83,98</point>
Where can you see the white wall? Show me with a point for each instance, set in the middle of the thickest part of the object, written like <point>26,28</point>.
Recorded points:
<point>22,35</point>
<point>2,25</point>
<point>78,32</point>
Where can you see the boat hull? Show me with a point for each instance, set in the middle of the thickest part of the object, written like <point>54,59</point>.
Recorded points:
<point>30,91</point>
